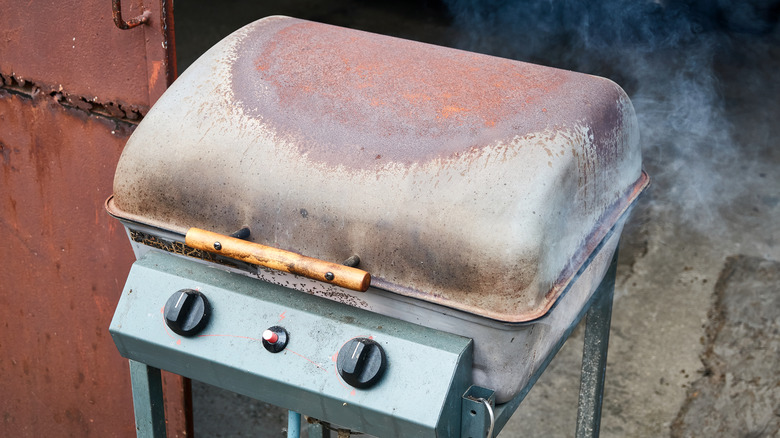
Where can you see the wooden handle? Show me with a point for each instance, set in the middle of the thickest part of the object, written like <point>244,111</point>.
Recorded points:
<point>279,259</point>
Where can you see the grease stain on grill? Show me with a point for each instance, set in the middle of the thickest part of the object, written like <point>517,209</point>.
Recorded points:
<point>180,248</point>
<point>341,297</point>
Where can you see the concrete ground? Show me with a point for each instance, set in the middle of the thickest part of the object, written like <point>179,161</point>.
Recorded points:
<point>695,341</point>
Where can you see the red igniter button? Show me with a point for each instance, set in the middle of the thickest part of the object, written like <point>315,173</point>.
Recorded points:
<point>270,336</point>
<point>275,339</point>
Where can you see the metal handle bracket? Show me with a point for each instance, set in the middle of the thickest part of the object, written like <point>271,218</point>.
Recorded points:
<point>131,23</point>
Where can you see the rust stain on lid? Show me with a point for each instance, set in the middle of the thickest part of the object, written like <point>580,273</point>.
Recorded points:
<point>381,99</point>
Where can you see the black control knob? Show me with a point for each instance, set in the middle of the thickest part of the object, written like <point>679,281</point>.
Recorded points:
<point>187,312</point>
<point>361,362</point>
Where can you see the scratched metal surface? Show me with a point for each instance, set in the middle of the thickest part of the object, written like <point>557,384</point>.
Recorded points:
<point>474,182</point>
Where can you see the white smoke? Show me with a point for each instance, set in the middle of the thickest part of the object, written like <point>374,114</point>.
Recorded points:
<point>664,54</point>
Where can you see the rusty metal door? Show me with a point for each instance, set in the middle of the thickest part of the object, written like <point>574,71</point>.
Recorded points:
<point>73,85</point>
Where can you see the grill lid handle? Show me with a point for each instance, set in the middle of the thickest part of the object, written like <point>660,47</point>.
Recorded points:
<point>279,259</point>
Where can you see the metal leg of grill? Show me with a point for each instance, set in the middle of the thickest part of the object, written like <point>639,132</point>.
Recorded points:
<point>594,356</point>
<point>317,430</point>
<point>293,424</point>
<point>147,400</point>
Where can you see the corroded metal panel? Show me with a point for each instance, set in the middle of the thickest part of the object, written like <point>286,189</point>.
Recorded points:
<point>73,48</point>
<point>64,262</point>
<point>474,182</point>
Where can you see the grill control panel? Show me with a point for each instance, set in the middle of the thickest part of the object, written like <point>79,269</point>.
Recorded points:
<point>328,360</point>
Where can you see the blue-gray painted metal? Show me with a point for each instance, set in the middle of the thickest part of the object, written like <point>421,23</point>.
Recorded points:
<point>475,419</point>
<point>147,400</point>
<point>293,424</point>
<point>317,430</point>
<point>594,356</point>
<point>420,394</point>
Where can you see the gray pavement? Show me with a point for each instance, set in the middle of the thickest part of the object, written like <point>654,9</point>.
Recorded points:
<point>695,339</point>
<point>737,394</point>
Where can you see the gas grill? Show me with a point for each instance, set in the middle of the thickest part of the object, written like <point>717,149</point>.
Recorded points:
<point>384,235</point>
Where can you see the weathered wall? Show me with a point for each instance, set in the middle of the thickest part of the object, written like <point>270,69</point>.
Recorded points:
<point>73,48</point>
<point>64,262</point>
<point>72,87</point>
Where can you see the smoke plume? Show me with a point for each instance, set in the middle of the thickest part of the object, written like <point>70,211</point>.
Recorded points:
<point>666,55</point>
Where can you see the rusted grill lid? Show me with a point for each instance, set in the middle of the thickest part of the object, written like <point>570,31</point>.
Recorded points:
<point>475,182</point>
